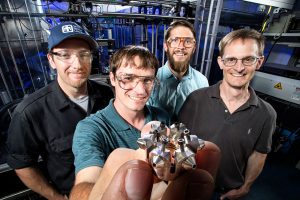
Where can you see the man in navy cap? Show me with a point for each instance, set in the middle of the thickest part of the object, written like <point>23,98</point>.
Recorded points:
<point>43,124</point>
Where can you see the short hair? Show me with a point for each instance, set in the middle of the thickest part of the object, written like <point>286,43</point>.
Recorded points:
<point>243,34</point>
<point>148,60</point>
<point>177,23</point>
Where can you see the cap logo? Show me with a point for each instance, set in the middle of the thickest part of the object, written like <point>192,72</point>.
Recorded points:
<point>67,29</point>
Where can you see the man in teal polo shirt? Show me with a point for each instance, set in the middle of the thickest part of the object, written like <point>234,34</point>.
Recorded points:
<point>177,78</point>
<point>132,73</point>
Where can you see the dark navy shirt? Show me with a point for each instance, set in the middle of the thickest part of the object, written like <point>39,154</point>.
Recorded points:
<point>237,134</point>
<point>43,125</point>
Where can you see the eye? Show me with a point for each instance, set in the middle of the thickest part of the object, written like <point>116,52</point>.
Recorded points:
<point>249,59</point>
<point>188,41</point>
<point>230,59</point>
<point>127,78</point>
<point>85,54</point>
<point>65,55</point>
<point>174,40</point>
<point>148,80</point>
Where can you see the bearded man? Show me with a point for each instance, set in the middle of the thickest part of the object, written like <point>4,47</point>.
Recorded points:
<point>177,78</point>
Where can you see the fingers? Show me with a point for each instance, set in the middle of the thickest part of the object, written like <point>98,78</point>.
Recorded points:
<point>133,180</point>
<point>208,158</point>
<point>193,184</point>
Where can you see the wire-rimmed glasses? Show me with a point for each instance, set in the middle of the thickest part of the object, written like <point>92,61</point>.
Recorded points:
<point>187,42</point>
<point>246,61</point>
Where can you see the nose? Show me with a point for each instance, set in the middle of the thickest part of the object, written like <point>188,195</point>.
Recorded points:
<point>140,88</point>
<point>76,62</point>
<point>239,66</point>
<point>181,43</point>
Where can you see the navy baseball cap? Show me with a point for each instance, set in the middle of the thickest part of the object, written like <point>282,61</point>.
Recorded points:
<point>68,30</point>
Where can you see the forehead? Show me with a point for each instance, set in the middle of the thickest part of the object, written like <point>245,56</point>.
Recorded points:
<point>181,31</point>
<point>73,43</point>
<point>241,47</point>
<point>134,66</point>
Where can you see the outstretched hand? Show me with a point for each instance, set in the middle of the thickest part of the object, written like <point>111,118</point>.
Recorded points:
<point>128,175</point>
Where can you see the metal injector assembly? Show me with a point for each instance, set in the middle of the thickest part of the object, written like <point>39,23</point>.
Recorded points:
<point>170,152</point>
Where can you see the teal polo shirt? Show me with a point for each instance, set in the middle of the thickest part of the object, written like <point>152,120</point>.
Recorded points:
<point>99,134</point>
<point>171,92</point>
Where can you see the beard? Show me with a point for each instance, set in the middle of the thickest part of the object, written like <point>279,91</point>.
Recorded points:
<point>178,66</point>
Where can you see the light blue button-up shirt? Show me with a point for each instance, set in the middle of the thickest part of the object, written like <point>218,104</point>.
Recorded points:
<point>171,93</point>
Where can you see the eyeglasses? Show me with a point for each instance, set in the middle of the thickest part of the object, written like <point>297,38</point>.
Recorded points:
<point>247,61</point>
<point>187,42</point>
<point>130,81</point>
<point>69,56</point>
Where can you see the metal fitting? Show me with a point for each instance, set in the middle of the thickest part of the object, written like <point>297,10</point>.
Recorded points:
<point>169,153</point>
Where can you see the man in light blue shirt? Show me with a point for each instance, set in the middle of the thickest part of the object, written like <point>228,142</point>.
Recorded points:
<point>177,78</point>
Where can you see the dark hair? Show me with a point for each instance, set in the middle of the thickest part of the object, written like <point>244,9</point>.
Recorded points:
<point>177,23</point>
<point>243,34</point>
<point>148,60</point>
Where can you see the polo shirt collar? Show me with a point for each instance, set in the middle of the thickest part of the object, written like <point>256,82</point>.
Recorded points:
<point>215,93</point>
<point>110,113</point>
<point>168,73</point>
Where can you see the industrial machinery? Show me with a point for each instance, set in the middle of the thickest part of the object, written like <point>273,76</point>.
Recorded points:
<point>278,80</point>
<point>24,68</point>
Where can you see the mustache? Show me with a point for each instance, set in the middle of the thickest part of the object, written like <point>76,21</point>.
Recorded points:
<point>180,51</point>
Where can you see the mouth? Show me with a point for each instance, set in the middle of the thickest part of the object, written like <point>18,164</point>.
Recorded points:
<point>237,75</point>
<point>180,53</point>
<point>137,98</point>
<point>78,75</point>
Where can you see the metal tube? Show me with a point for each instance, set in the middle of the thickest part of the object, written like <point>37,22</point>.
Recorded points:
<point>13,58</point>
<point>152,38</point>
<point>37,48</point>
<point>10,79</point>
<point>163,56</point>
<point>207,34</point>
<point>142,33</point>
<point>22,48</point>
<point>100,15</point>
<point>198,28</point>
<point>156,38</point>
<point>5,83</point>
<point>213,37</point>
<point>146,35</point>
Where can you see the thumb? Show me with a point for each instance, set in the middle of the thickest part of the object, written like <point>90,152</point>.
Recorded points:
<point>133,180</point>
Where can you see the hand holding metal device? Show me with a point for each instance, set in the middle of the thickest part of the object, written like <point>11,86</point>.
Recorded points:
<point>169,151</point>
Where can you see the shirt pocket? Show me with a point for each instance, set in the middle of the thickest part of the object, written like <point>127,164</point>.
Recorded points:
<point>62,147</point>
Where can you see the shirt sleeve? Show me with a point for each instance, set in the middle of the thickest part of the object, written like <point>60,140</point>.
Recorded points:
<point>264,143</point>
<point>88,145</point>
<point>22,143</point>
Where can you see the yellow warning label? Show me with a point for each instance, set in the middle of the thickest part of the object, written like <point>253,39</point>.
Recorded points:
<point>278,86</point>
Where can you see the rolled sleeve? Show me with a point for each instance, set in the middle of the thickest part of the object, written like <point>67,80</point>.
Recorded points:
<point>22,145</point>
<point>87,146</point>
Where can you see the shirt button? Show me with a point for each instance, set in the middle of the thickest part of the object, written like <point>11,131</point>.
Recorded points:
<point>226,111</point>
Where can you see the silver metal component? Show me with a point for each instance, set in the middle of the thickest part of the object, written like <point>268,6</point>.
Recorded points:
<point>169,153</point>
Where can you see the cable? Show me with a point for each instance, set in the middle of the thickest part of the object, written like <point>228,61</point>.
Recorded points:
<point>20,20</point>
<point>276,37</point>
<point>266,20</point>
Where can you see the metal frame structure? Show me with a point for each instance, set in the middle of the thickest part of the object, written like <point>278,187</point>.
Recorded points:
<point>207,15</point>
